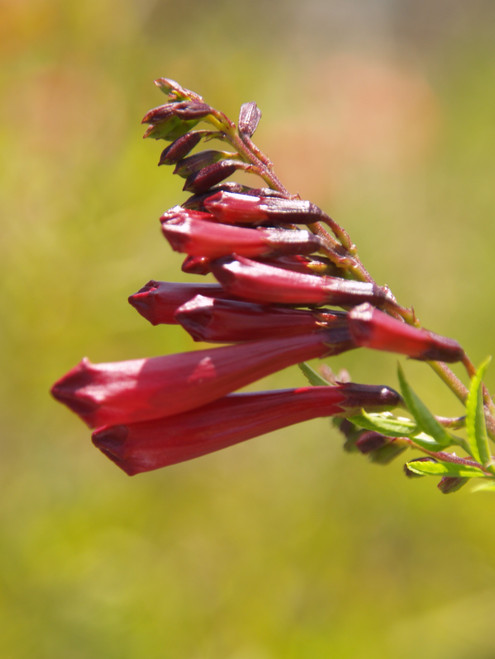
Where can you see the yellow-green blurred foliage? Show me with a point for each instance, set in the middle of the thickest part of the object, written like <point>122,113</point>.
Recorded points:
<point>382,113</point>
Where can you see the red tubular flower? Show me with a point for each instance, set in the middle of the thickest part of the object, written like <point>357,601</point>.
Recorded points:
<point>371,328</point>
<point>264,283</point>
<point>225,321</point>
<point>196,237</point>
<point>142,389</point>
<point>147,445</point>
<point>234,208</point>
<point>158,301</point>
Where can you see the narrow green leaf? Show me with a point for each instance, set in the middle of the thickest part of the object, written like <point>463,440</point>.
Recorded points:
<point>424,418</point>
<point>170,129</point>
<point>385,423</point>
<point>429,468</point>
<point>475,418</point>
<point>313,377</point>
<point>427,442</point>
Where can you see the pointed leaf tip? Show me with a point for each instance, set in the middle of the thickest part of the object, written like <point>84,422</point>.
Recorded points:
<point>422,415</point>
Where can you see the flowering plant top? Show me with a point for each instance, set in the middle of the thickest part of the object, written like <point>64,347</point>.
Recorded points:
<point>286,285</point>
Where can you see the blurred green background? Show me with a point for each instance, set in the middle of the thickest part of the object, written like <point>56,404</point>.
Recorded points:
<point>383,114</point>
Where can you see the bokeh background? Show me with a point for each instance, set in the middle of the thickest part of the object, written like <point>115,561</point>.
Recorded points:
<point>382,113</point>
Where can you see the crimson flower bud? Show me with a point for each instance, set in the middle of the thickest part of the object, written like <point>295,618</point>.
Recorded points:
<point>233,208</point>
<point>141,389</point>
<point>371,328</point>
<point>192,235</point>
<point>223,320</point>
<point>157,301</point>
<point>264,283</point>
<point>147,445</point>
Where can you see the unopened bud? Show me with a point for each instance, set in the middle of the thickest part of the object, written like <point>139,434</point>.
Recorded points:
<point>191,234</point>
<point>374,329</point>
<point>185,110</point>
<point>175,91</point>
<point>198,161</point>
<point>211,175</point>
<point>249,118</point>
<point>259,282</point>
<point>181,147</point>
<point>449,484</point>
<point>241,209</point>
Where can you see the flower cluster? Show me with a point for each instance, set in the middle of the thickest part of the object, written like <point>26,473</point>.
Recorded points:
<point>278,267</point>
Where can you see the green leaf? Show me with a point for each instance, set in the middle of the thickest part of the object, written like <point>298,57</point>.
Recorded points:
<point>422,415</point>
<point>427,442</point>
<point>170,129</point>
<point>313,377</point>
<point>484,486</point>
<point>475,418</point>
<point>394,426</point>
<point>430,468</point>
<point>385,423</point>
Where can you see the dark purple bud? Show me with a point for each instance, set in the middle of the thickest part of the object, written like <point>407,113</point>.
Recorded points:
<point>198,161</point>
<point>223,320</point>
<point>185,110</point>
<point>449,484</point>
<point>181,147</point>
<point>367,396</point>
<point>211,175</point>
<point>172,120</point>
<point>388,452</point>
<point>369,441</point>
<point>249,118</point>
